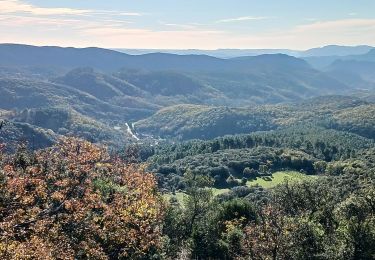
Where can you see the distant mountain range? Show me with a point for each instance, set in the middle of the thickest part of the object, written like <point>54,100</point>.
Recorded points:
<point>336,50</point>
<point>163,79</point>
<point>151,81</point>
<point>330,50</point>
<point>219,53</point>
<point>12,55</point>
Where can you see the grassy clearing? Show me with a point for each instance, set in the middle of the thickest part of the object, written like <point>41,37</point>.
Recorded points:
<point>280,177</point>
<point>216,191</point>
<point>276,179</point>
<point>180,195</point>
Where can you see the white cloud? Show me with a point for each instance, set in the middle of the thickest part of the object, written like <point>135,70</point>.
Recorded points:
<point>242,18</point>
<point>131,14</point>
<point>16,6</point>
<point>25,21</point>
<point>21,7</point>
<point>190,26</point>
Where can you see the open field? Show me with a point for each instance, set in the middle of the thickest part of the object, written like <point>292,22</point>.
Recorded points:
<point>280,177</point>
<point>276,179</point>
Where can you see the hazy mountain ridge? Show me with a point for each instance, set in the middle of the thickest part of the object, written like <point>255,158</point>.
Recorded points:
<point>197,79</point>
<point>330,50</point>
<point>318,61</point>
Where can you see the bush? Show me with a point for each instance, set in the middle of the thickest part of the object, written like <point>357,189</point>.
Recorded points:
<point>232,182</point>
<point>250,173</point>
<point>73,201</point>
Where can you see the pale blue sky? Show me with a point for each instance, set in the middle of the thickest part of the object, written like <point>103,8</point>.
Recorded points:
<point>182,24</point>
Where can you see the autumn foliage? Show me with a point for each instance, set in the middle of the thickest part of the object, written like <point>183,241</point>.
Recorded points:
<point>73,201</point>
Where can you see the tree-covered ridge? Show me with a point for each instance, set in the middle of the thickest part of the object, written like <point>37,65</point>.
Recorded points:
<point>19,93</point>
<point>360,120</point>
<point>189,122</point>
<point>184,122</point>
<point>13,133</point>
<point>41,127</point>
<point>67,122</point>
<point>319,142</point>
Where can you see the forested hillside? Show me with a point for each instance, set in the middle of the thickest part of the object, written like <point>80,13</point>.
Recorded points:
<point>206,122</point>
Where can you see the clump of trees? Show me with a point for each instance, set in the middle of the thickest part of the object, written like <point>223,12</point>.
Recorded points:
<point>73,201</point>
<point>330,218</point>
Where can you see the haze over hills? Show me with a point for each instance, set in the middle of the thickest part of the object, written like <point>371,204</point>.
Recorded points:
<point>329,50</point>
<point>263,78</point>
<point>14,55</point>
<point>321,62</point>
<point>336,50</point>
<point>27,55</point>
<point>219,53</point>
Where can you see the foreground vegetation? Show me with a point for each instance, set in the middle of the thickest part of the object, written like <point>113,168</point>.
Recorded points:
<point>74,201</point>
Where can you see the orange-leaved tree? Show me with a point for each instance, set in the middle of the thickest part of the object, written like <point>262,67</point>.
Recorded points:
<point>73,201</point>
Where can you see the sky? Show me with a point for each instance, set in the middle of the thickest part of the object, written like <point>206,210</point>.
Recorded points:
<point>188,24</point>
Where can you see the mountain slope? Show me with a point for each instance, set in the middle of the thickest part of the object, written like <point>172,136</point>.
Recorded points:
<point>356,73</point>
<point>206,122</point>
<point>102,86</point>
<point>68,122</point>
<point>21,94</point>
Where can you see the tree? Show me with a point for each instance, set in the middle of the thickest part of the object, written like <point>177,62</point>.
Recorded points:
<point>250,173</point>
<point>73,201</point>
<point>269,238</point>
<point>320,166</point>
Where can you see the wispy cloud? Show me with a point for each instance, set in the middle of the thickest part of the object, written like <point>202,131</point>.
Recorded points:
<point>14,21</point>
<point>21,7</point>
<point>16,6</point>
<point>243,18</point>
<point>336,26</point>
<point>131,14</point>
<point>189,26</point>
